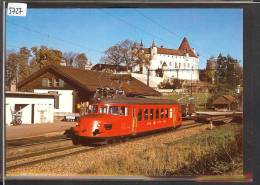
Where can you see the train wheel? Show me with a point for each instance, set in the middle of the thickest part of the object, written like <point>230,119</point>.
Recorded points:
<point>76,140</point>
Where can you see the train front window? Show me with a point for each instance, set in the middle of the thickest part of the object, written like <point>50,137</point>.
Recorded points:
<point>103,109</point>
<point>114,110</point>
<point>118,110</point>
<point>93,108</point>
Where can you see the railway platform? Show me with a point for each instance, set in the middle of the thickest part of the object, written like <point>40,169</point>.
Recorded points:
<point>33,130</point>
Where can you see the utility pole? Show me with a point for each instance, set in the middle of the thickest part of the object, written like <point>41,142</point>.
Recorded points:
<point>191,83</point>
<point>148,75</point>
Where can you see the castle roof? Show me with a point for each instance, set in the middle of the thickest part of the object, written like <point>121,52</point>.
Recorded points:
<point>183,49</point>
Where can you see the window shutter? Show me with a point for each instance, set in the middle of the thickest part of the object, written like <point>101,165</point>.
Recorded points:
<point>44,82</point>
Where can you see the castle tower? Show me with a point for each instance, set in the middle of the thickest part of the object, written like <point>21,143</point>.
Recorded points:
<point>153,49</point>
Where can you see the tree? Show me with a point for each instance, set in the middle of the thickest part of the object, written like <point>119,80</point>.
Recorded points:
<point>44,56</point>
<point>77,60</point>
<point>172,84</point>
<point>139,56</point>
<point>69,58</point>
<point>17,66</point>
<point>81,61</point>
<point>228,74</point>
<point>119,54</point>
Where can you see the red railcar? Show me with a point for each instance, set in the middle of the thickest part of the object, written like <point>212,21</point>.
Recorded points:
<point>125,117</point>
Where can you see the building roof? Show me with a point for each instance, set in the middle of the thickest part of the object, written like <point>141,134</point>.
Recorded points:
<point>224,99</point>
<point>100,67</point>
<point>89,80</point>
<point>185,48</point>
<point>144,101</point>
<point>181,51</point>
<point>28,94</point>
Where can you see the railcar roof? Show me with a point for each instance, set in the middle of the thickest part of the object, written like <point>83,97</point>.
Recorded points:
<point>141,101</point>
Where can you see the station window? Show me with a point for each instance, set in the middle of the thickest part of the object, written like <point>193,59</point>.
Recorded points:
<point>50,83</point>
<point>151,114</point>
<point>162,113</point>
<point>146,114</point>
<point>157,114</point>
<point>56,82</point>
<point>166,113</point>
<point>140,115</point>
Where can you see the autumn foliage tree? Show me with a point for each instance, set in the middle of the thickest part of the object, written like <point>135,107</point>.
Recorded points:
<point>43,56</point>
<point>81,61</point>
<point>76,60</point>
<point>17,66</point>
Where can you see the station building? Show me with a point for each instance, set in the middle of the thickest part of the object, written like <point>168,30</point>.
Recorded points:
<point>73,87</point>
<point>30,107</point>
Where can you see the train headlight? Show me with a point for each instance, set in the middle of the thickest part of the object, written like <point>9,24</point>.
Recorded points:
<point>96,125</point>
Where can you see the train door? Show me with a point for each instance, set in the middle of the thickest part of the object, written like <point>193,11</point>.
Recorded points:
<point>173,116</point>
<point>134,121</point>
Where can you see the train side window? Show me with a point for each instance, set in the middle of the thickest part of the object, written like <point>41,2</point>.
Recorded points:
<point>157,114</point>
<point>166,113</point>
<point>140,115</point>
<point>146,114</point>
<point>170,112</point>
<point>151,114</point>
<point>162,113</point>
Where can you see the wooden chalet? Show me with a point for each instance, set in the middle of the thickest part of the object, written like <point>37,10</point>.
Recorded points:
<point>225,103</point>
<point>75,86</point>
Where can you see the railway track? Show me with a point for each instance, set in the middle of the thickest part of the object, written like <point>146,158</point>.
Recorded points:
<point>55,153</point>
<point>29,142</point>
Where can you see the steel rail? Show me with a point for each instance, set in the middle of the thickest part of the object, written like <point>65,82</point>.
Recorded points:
<point>84,149</point>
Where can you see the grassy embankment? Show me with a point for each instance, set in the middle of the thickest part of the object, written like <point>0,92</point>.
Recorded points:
<point>213,152</point>
<point>200,99</point>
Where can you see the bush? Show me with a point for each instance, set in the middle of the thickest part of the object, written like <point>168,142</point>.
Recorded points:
<point>213,152</point>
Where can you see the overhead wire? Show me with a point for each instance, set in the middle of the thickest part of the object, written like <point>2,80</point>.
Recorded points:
<point>164,28</point>
<point>55,38</point>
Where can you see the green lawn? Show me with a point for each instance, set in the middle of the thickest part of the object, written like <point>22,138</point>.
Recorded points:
<point>200,99</point>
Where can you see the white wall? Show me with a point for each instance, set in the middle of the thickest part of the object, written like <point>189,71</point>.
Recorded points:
<point>65,99</point>
<point>154,81</point>
<point>43,109</point>
<point>170,60</point>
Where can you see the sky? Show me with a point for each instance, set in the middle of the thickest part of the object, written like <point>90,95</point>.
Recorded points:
<point>92,31</point>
